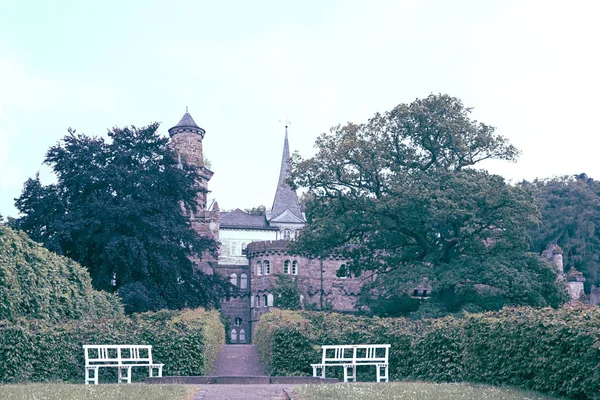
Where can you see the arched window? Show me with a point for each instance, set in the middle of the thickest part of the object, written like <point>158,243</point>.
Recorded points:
<point>287,234</point>
<point>258,268</point>
<point>244,245</point>
<point>242,335</point>
<point>425,293</point>
<point>235,249</point>
<point>286,267</point>
<point>233,336</point>
<point>243,281</point>
<point>267,267</point>
<point>301,300</point>
<point>265,300</point>
<point>237,321</point>
<point>257,301</point>
<point>233,278</point>
<point>270,300</point>
<point>251,301</point>
<point>295,267</point>
<point>416,293</point>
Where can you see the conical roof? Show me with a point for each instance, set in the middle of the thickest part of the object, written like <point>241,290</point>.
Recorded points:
<point>186,124</point>
<point>187,121</point>
<point>286,198</point>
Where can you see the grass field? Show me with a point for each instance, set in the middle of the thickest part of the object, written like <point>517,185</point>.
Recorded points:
<point>56,391</point>
<point>412,391</point>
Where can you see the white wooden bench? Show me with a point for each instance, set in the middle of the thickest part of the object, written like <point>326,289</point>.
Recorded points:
<point>122,357</point>
<point>354,355</point>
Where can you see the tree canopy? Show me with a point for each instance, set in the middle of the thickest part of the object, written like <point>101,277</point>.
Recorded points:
<point>399,196</point>
<point>117,209</point>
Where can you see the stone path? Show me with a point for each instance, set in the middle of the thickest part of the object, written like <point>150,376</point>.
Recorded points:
<point>241,392</point>
<point>238,360</point>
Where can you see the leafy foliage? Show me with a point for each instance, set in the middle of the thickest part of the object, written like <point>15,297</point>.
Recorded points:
<point>36,283</point>
<point>186,342</point>
<point>286,292</point>
<point>399,197</point>
<point>546,350</point>
<point>260,210</point>
<point>117,210</point>
<point>570,207</point>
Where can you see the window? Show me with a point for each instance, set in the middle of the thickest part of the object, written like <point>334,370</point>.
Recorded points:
<point>251,301</point>
<point>265,300</point>
<point>113,281</point>
<point>237,321</point>
<point>425,293</point>
<point>257,301</point>
<point>287,234</point>
<point>267,267</point>
<point>244,245</point>
<point>416,293</point>
<point>286,267</point>
<point>343,272</point>
<point>243,281</point>
<point>259,268</point>
<point>233,278</point>
<point>242,335</point>
<point>295,267</point>
<point>234,249</point>
<point>233,336</point>
<point>270,300</point>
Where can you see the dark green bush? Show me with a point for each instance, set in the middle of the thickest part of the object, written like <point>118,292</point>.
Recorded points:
<point>187,342</point>
<point>547,350</point>
<point>36,283</point>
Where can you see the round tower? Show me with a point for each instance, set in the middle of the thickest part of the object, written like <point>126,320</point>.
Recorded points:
<point>186,140</point>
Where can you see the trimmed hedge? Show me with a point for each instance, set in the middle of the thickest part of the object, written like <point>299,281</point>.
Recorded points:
<point>546,350</point>
<point>36,283</point>
<point>187,342</point>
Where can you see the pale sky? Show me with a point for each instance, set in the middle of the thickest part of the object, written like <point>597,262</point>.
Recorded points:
<point>529,68</point>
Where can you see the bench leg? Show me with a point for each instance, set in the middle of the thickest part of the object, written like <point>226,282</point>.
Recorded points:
<point>160,371</point>
<point>89,379</point>
<point>150,371</point>
<point>378,369</point>
<point>124,377</point>
<point>345,374</point>
<point>354,373</point>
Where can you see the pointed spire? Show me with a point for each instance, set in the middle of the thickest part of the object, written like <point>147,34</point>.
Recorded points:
<point>286,198</point>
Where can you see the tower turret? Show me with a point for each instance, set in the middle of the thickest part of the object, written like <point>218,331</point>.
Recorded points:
<point>186,140</point>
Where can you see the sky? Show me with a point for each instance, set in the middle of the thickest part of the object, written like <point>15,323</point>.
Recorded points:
<point>529,68</point>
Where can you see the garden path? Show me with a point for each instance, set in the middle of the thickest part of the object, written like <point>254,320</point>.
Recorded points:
<point>238,360</point>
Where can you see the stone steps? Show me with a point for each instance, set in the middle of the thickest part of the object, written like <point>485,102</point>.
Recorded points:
<point>238,360</point>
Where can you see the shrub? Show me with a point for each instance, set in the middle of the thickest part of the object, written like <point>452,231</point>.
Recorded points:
<point>187,342</point>
<point>36,283</point>
<point>547,350</point>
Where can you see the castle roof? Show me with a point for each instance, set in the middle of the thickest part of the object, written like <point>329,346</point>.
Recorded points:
<point>238,219</point>
<point>187,124</point>
<point>286,198</point>
<point>187,121</point>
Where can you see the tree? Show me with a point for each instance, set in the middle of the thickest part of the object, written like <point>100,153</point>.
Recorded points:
<point>570,207</point>
<point>400,198</point>
<point>117,209</point>
<point>260,210</point>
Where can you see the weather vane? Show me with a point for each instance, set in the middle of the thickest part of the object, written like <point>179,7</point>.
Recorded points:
<point>285,121</point>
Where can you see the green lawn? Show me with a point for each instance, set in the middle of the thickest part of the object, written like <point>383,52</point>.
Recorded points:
<point>56,391</point>
<point>412,391</point>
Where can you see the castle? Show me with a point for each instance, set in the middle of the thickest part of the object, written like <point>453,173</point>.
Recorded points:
<point>254,247</point>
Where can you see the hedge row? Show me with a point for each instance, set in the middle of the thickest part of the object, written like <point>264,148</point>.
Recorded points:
<point>187,342</point>
<point>36,283</point>
<point>546,350</point>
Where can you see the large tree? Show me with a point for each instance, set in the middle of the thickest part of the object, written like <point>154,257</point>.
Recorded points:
<point>117,209</point>
<point>400,197</point>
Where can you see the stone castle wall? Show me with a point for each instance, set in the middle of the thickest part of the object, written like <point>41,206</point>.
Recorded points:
<point>317,279</point>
